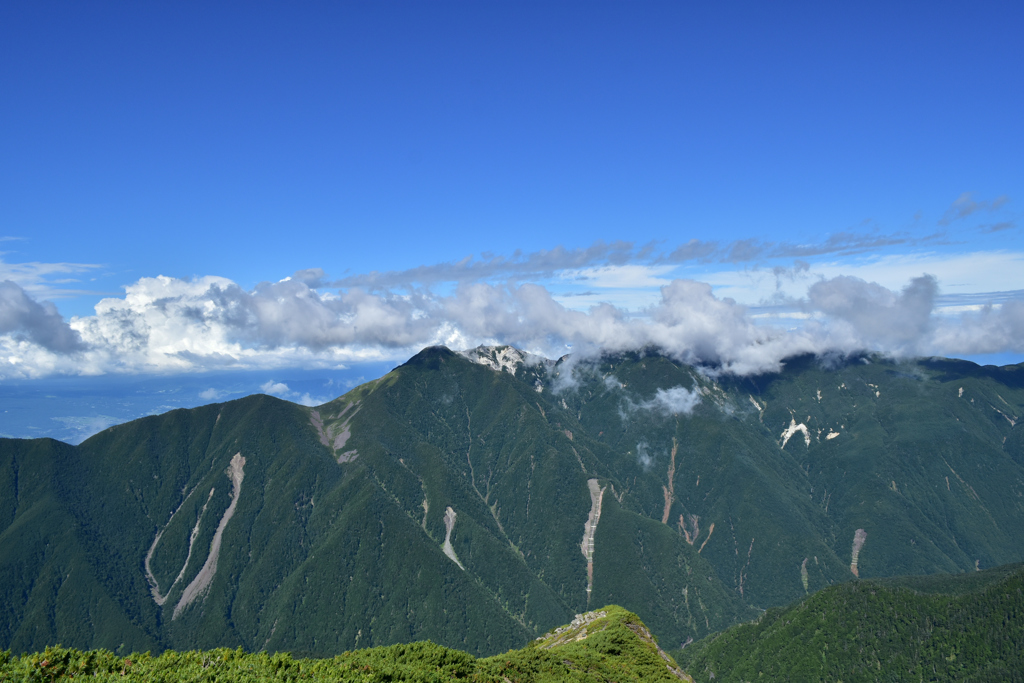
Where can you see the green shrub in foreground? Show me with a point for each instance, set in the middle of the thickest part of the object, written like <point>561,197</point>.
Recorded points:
<point>616,647</point>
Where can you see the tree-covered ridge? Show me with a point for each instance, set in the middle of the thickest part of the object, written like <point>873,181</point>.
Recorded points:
<point>935,628</point>
<point>610,644</point>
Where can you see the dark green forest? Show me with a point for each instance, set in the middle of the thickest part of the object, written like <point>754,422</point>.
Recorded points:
<point>932,628</point>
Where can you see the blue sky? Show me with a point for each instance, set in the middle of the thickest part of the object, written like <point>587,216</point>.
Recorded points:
<point>734,182</point>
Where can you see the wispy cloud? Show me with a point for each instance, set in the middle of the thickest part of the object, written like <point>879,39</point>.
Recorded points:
<point>997,227</point>
<point>845,243</point>
<point>965,206</point>
<point>47,280</point>
<point>518,266</point>
<point>591,260</point>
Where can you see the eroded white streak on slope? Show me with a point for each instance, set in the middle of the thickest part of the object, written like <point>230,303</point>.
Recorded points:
<point>236,472</point>
<point>336,441</point>
<point>859,536</point>
<point>792,429</point>
<point>154,587</point>
<point>590,529</point>
<point>449,524</point>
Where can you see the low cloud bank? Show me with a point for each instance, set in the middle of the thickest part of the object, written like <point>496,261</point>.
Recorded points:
<point>164,324</point>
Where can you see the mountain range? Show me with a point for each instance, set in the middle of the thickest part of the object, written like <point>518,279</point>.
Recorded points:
<point>478,499</point>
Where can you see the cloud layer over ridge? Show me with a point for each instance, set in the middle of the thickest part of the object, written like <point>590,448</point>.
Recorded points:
<point>165,324</point>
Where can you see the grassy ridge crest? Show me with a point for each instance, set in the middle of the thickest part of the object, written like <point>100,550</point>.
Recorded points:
<point>607,644</point>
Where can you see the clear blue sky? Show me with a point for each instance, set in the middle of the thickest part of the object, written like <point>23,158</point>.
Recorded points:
<point>248,141</point>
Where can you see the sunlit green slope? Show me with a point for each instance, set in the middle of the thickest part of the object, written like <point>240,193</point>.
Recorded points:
<point>606,645</point>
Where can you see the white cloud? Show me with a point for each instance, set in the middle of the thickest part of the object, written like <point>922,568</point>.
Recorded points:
<point>275,388</point>
<point>38,323</point>
<point>46,280</point>
<point>673,401</point>
<point>666,402</point>
<point>740,321</point>
<point>281,390</point>
<point>643,458</point>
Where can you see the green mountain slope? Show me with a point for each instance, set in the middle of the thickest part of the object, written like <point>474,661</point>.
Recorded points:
<point>966,627</point>
<point>788,467</point>
<point>479,499</point>
<point>609,644</point>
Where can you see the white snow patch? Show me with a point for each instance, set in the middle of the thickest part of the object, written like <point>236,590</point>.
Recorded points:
<point>831,435</point>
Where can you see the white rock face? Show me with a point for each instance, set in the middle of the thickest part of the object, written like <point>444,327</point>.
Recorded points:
<point>497,358</point>
<point>792,429</point>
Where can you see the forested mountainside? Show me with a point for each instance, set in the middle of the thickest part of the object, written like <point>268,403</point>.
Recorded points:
<point>938,627</point>
<point>479,499</point>
<point>934,628</point>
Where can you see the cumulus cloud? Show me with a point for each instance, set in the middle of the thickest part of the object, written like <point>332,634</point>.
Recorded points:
<point>40,323</point>
<point>281,390</point>
<point>165,324</point>
<point>212,394</point>
<point>870,315</point>
<point>991,329</point>
<point>275,388</point>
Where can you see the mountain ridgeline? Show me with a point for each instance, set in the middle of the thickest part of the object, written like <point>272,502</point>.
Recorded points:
<point>479,499</point>
<point>609,644</point>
